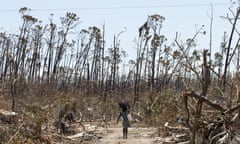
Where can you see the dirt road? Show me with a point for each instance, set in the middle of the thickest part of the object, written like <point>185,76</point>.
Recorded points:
<point>136,135</point>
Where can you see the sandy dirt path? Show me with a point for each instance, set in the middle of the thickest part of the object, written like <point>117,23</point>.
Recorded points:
<point>136,135</point>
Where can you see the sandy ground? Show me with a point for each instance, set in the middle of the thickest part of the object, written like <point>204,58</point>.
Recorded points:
<point>136,135</point>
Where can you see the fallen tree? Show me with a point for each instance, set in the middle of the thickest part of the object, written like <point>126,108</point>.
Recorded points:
<point>203,126</point>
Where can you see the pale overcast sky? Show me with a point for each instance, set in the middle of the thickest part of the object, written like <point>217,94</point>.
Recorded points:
<point>181,16</point>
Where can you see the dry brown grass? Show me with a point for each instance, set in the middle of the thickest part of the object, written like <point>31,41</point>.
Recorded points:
<point>38,107</point>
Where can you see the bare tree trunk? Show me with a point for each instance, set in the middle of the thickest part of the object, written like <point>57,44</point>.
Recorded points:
<point>13,93</point>
<point>103,61</point>
<point>196,134</point>
<point>114,69</point>
<point>50,49</point>
<point>227,62</point>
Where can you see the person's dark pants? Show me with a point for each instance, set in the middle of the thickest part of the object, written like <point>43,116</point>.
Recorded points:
<point>125,132</point>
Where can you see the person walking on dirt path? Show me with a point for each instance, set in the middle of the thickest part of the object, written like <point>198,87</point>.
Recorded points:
<point>124,117</point>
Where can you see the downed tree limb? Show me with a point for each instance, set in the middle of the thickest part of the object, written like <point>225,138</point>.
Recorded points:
<point>78,135</point>
<point>16,133</point>
<point>205,100</point>
<point>212,104</point>
<point>7,113</point>
<point>233,109</point>
<point>7,116</point>
<point>175,128</point>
